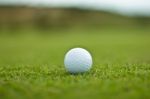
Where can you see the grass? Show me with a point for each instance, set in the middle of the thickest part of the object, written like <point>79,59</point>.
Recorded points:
<point>31,65</point>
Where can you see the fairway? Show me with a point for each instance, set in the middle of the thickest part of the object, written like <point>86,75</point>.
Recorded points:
<point>32,65</point>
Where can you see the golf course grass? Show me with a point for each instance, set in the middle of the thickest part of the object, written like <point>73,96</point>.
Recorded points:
<point>31,65</point>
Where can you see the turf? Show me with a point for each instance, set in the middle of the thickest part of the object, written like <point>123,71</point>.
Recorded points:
<point>31,65</point>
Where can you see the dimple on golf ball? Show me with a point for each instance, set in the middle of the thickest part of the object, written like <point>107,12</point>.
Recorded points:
<point>78,60</point>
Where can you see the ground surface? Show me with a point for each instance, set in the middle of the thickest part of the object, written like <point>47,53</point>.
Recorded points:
<point>31,66</point>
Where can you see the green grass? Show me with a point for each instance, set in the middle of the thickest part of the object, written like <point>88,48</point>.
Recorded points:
<point>31,66</point>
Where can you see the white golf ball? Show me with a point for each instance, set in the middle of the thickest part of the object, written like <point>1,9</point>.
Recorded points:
<point>78,60</point>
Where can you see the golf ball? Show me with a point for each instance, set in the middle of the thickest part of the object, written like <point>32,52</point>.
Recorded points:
<point>78,60</point>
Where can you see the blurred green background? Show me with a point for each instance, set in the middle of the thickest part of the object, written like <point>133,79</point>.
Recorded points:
<point>34,40</point>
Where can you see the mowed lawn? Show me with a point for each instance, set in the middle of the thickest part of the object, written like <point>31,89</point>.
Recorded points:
<point>31,65</point>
